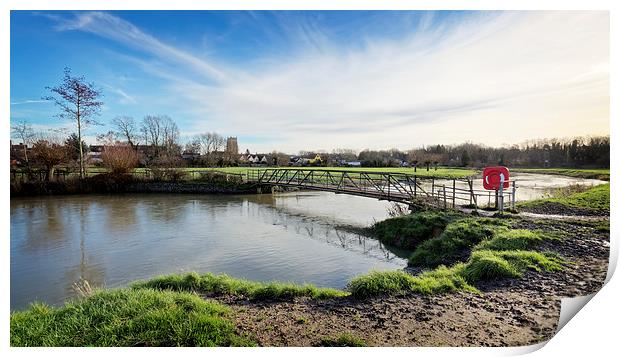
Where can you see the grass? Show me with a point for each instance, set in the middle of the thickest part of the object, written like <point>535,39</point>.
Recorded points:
<point>409,231</point>
<point>440,280</point>
<point>515,239</point>
<point>457,238</point>
<point>489,264</point>
<point>442,171</point>
<point>343,340</point>
<point>483,265</point>
<point>599,174</point>
<point>127,318</point>
<point>226,285</point>
<point>595,199</point>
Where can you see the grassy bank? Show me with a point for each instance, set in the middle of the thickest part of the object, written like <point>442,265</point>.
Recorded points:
<point>128,183</point>
<point>460,250</point>
<point>594,200</point>
<point>224,285</point>
<point>599,174</point>
<point>140,317</point>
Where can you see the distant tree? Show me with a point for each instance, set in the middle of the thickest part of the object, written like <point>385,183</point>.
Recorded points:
<point>23,130</point>
<point>78,101</point>
<point>73,147</point>
<point>211,145</point>
<point>126,128</point>
<point>162,134</point>
<point>465,158</point>
<point>48,151</point>
<point>279,158</point>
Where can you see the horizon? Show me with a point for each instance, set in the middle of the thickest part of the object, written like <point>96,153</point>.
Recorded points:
<point>295,81</point>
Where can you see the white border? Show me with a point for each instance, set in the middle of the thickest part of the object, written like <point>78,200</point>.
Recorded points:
<point>591,331</point>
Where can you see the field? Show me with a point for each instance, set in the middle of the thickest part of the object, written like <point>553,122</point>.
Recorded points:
<point>593,201</point>
<point>600,174</point>
<point>443,171</point>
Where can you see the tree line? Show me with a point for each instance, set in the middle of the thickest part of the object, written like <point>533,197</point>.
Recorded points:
<point>578,152</point>
<point>154,142</point>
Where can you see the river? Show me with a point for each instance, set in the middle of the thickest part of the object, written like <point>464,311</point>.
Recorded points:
<point>111,240</point>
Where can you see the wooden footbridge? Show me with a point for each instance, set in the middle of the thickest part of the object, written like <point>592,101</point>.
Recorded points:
<point>409,189</point>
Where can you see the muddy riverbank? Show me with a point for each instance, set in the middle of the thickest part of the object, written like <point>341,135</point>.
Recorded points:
<point>508,312</point>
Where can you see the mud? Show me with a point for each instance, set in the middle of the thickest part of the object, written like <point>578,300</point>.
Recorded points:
<point>508,312</point>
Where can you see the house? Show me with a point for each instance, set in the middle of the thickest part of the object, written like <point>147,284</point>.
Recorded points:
<point>353,163</point>
<point>253,159</point>
<point>317,160</point>
<point>94,154</point>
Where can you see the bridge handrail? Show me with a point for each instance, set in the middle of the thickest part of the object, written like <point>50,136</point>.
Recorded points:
<point>368,172</point>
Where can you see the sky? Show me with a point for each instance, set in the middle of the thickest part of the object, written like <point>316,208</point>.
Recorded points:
<point>323,80</point>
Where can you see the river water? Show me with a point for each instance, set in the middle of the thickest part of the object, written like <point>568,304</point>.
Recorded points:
<point>113,240</point>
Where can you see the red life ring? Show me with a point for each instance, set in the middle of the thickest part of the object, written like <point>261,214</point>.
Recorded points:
<point>492,177</point>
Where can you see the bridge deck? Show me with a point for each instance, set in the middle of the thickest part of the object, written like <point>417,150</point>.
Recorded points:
<point>442,192</point>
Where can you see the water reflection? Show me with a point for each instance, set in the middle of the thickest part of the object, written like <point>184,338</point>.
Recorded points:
<point>112,240</point>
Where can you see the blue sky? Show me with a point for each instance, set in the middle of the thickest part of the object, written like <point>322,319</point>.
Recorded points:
<point>319,80</point>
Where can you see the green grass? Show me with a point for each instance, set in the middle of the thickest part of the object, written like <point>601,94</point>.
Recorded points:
<point>127,318</point>
<point>489,265</point>
<point>442,171</point>
<point>440,280</point>
<point>342,340</point>
<point>226,285</point>
<point>409,231</point>
<point>599,174</point>
<point>595,199</point>
<point>456,238</point>
<point>483,265</point>
<point>515,239</point>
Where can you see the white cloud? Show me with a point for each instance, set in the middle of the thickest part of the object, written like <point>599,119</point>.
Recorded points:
<point>30,101</point>
<point>496,78</point>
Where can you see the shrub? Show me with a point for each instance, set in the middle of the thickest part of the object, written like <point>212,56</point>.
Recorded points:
<point>119,159</point>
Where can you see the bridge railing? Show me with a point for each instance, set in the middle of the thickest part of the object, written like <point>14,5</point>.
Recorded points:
<point>442,192</point>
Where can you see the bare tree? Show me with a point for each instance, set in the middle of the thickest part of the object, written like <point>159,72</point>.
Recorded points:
<point>49,151</point>
<point>209,144</point>
<point>23,130</point>
<point>126,128</point>
<point>160,132</point>
<point>78,101</point>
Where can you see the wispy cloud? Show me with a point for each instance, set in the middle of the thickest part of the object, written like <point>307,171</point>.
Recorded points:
<point>30,101</point>
<point>492,77</point>
<point>117,29</point>
<point>124,97</point>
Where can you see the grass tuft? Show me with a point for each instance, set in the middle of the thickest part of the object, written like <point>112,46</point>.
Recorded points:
<point>410,230</point>
<point>127,318</point>
<point>440,280</point>
<point>490,265</point>
<point>515,239</point>
<point>456,239</point>
<point>226,285</point>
